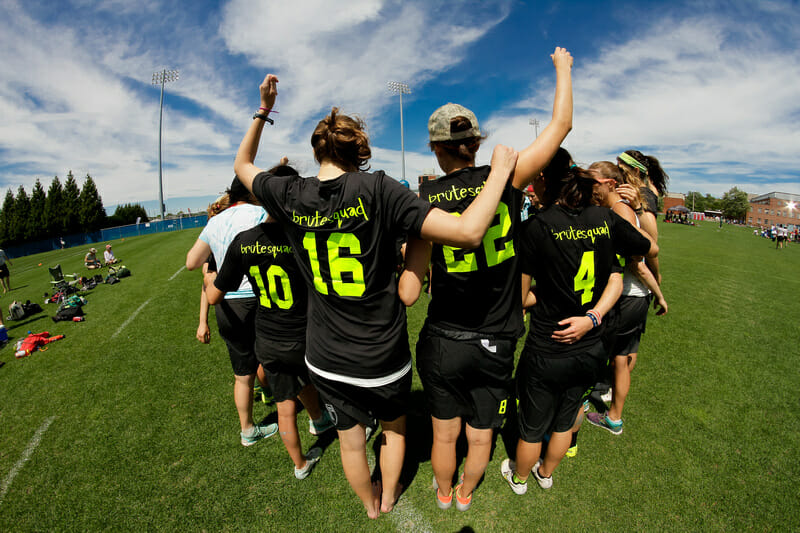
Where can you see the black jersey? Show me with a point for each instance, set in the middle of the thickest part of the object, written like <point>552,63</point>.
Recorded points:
<point>571,254</point>
<point>264,255</point>
<point>343,232</point>
<point>649,200</point>
<point>476,290</point>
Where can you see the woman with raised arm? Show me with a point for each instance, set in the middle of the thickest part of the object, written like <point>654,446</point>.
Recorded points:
<point>342,226</point>
<point>570,249</point>
<point>465,353</point>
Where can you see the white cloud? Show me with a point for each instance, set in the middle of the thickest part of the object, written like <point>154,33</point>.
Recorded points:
<point>696,93</point>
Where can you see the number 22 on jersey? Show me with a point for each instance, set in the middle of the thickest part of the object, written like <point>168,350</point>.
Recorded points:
<point>467,262</point>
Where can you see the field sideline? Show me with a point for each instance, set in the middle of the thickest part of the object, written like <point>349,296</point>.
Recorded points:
<point>129,424</point>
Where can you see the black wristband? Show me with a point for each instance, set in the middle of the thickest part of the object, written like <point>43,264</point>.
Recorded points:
<point>263,117</point>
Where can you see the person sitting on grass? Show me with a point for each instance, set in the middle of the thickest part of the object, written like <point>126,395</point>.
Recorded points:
<point>108,256</point>
<point>91,260</point>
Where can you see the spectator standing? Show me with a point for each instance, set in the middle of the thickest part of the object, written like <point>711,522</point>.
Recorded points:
<point>4,273</point>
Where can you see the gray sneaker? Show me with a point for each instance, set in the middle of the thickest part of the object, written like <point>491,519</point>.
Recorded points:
<point>312,458</point>
<point>259,431</point>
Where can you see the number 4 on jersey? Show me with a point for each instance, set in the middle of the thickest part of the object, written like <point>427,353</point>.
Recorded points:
<point>584,279</point>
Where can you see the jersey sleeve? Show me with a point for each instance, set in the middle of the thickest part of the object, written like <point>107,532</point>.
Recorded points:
<point>212,263</point>
<point>627,239</point>
<point>229,276</point>
<point>405,210</point>
<point>268,189</point>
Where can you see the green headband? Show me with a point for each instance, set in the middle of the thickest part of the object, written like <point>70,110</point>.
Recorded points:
<point>629,160</point>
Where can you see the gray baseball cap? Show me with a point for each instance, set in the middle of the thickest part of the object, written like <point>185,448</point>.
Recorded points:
<point>439,123</point>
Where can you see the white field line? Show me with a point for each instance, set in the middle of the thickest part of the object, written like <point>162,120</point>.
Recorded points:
<point>26,454</point>
<point>405,516</point>
<point>181,269</point>
<point>130,318</point>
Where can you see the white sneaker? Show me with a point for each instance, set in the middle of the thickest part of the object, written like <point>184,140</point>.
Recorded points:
<point>312,458</point>
<point>507,469</point>
<point>544,482</point>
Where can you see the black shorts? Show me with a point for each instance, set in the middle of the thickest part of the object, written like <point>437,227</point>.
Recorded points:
<point>551,389</point>
<point>236,322</point>
<point>470,379</point>
<point>4,271</point>
<point>631,322</point>
<point>349,404</point>
<point>285,366</point>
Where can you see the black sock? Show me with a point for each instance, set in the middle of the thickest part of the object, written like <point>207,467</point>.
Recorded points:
<point>574,440</point>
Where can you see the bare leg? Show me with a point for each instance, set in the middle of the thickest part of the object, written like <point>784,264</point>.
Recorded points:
<point>310,400</point>
<point>528,454</point>
<point>480,447</point>
<point>243,398</point>
<point>287,425</point>
<point>393,452</point>
<point>262,376</point>
<point>622,384</point>
<point>558,446</point>
<point>353,446</point>
<point>443,451</point>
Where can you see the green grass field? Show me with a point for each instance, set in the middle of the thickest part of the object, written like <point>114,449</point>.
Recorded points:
<point>128,424</point>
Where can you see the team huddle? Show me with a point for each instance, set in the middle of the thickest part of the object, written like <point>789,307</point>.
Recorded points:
<point>312,298</point>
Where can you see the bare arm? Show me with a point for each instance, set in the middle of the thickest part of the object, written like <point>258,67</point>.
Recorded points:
<point>578,326</point>
<point>649,225</point>
<point>641,271</point>
<point>468,230</point>
<point>213,294</point>
<point>418,257</point>
<point>536,156</point>
<point>197,255</point>
<point>244,166</point>
<point>203,332</point>
<point>528,294</point>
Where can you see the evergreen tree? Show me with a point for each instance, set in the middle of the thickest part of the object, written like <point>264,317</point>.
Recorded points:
<point>92,213</point>
<point>71,200</point>
<point>54,209</point>
<point>6,216</point>
<point>21,224</point>
<point>38,199</point>
<point>127,214</point>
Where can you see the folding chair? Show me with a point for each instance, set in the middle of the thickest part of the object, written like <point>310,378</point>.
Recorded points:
<point>59,281</point>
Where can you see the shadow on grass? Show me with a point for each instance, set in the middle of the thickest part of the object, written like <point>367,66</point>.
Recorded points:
<point>22,324</point>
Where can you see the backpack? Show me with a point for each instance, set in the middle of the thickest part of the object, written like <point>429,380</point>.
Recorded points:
<point>68,313</point>
<point>121,271</point>
<point>16,311</point>
<point>31,308</point>
<point>112,279</point>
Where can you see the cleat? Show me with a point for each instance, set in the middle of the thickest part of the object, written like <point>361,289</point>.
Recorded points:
<point>312,458</point>
<point>258,432</point>
<point>544,482</point>
<point>602,421</point>
<point>507,470</point>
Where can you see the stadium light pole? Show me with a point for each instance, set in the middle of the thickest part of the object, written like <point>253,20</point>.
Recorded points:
<point>398,87</point>
<point>160,78</point>
<point>535,123</point>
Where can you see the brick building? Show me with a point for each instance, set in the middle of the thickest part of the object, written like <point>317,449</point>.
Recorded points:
<point>774,208</point>
<point>672,199</point>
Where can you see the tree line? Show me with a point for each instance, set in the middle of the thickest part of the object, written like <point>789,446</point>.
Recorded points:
<point>63,210</point>
<point>733,204</point>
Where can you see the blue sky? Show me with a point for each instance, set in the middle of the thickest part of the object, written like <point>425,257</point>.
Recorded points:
<point>710,88</point>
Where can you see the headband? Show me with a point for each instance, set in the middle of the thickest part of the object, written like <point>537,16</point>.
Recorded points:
<point>629,160</point>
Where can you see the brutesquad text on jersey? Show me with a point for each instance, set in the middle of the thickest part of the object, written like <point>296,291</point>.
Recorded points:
<point>455,193</point>
<point>316,220</point>
<point>264,249</point>
<point>573,234</point>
